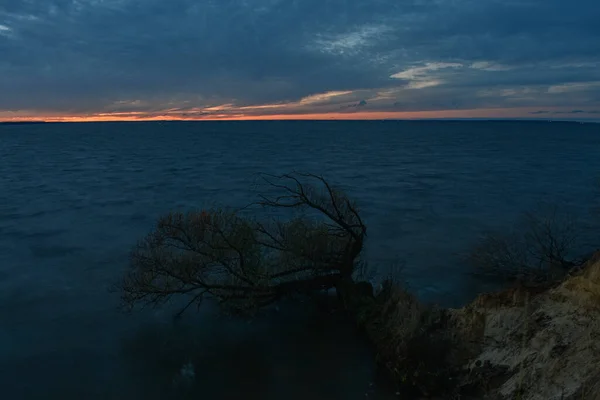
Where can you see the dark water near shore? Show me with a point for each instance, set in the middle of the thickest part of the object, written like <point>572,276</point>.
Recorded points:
<point>75,197</point>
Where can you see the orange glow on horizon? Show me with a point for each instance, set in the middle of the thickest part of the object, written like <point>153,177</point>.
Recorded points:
<point>363,115</point>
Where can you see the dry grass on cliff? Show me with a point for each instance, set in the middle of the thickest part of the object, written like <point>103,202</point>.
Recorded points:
<point>547,342</point>
<point>525,343</point>
<point>409,341</point>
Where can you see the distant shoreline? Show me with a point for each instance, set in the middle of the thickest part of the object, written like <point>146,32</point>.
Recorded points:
<point>24,122</point>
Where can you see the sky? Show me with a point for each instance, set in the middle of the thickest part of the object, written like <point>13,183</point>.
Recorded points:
<point>87,60</point>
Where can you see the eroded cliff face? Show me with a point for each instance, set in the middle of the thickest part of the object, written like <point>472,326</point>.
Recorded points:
<point>521,343</point>
<point>536,344</point>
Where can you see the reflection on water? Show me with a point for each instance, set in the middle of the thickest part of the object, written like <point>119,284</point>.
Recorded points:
<point>299,352</point>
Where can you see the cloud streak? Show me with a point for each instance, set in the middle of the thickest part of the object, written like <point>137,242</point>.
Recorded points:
<point>571,112</point>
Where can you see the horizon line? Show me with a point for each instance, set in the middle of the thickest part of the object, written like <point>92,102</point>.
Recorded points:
<point>74,121</point>
<point>529,113</point>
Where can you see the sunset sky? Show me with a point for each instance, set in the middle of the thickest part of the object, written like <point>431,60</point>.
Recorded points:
<point>80,60</point>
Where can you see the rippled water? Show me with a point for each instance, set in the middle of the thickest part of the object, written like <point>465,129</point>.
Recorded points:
<point>75,197</point>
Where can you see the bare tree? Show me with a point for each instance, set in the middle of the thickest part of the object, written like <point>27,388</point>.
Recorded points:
<point>551,236</point>
<point>537,249</point>
<point>245,263</point>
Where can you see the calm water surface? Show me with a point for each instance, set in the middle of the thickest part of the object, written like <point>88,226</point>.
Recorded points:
<point>75,197</point>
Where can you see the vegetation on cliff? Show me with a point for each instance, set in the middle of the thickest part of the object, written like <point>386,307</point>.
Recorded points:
<point>537,339</point>
<point>245,263</point>
<point>538,248</point>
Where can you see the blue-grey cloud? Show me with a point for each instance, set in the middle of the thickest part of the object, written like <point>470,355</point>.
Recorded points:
<point>577,112</point>
<point>148,56</point>
<point>360,104</point>
<point>572,112</point>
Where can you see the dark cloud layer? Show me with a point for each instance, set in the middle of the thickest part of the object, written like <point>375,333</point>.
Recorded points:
<point>565,112</point>
<point>274,56</point>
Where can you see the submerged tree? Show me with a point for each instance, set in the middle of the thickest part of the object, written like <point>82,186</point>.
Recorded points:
<point>245,263</point>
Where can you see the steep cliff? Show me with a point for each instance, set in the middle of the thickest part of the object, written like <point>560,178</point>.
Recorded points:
<point>543,342</point>
<point>527,343</point>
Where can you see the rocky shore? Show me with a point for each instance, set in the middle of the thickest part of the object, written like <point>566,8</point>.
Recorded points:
<point>529,343</point>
